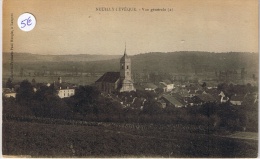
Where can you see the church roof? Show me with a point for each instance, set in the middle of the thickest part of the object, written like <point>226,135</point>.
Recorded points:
<point>110,77</point>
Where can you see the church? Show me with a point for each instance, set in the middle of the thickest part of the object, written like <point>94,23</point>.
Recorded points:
<point>117,81</point>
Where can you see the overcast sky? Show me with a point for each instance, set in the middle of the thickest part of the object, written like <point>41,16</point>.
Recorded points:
<point>75,27</point>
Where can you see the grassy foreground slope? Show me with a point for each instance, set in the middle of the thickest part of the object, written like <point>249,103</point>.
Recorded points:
<point>50,140</point>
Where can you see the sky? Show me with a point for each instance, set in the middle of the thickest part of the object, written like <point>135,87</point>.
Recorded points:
<point>79,27</point>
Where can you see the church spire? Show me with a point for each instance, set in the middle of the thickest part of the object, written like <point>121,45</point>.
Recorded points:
<point>125,49</point>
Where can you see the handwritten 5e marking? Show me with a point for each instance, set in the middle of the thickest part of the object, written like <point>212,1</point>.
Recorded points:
<point>26,22</point>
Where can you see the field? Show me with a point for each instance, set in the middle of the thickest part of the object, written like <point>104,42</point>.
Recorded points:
<point>59,140</point>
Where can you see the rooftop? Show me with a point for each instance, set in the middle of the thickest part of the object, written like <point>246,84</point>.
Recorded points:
<point>173,100</point>
<point>110,77</point>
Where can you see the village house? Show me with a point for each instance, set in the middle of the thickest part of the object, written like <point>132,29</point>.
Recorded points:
<point>148,86</point>
<point>129,100</point>
<point>210,85</point>
<point>163,86</point>
<point>251,98</point>
<point>168,100</point>
<point>192,90</point>
<point>184,93</point>
<point>8,93</point>
<point>237,99</point>
<point>64,89</point>
<point>166,85</point>
<point>202,98</point>
<point>223,98</point>
<point>192,93</point>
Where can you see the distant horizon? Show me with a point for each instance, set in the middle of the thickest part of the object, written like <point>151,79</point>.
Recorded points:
<point>131,54</point>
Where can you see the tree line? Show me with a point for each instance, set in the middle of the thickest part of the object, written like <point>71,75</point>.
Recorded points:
<point>88,104</point>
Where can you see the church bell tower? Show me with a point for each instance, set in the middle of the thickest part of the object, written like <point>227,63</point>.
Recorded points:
<point>125,74</point>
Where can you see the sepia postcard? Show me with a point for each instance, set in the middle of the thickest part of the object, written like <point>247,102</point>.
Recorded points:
<point>130,79</point>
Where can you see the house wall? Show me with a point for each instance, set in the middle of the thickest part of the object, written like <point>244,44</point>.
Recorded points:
<point>169,87</point>
<point>164,89</point>
<point>63,93</point>
<point>8,95</point>
<point>149,89</point>
<point>236,102</point>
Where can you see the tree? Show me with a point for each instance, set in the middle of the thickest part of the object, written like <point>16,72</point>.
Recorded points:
<point>10,107</point>
<point>50,106</point>
<point>214,120</point>
<point>33,82</point>
<point>159,90</point>
<point>25,92</point>
<point>108,106</point>
<point>204,84</point>
<point>9,83</point>
<point>46,103</point>
<point>222,86</point>
<point>208,109</point>
<point>45,92</point>
<point>85,97</point>
<point>151,108</point>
